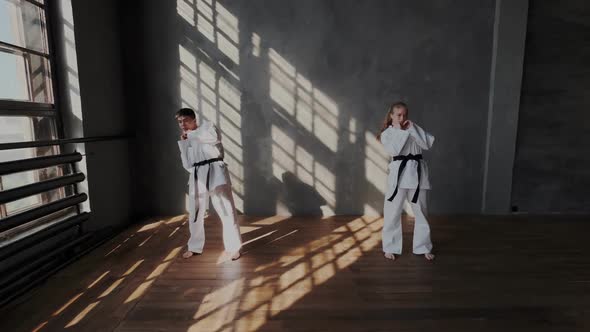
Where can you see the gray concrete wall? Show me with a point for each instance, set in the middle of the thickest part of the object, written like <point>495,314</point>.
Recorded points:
<point>504,101</point>
<point>551,170</point>
<point>150,38</point>
<point>300,88</point>
<point>92,104</point>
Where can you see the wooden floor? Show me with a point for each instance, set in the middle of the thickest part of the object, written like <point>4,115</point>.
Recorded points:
<point>298,274</point>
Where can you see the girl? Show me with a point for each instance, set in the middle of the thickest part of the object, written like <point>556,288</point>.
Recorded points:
<point>408,178</point>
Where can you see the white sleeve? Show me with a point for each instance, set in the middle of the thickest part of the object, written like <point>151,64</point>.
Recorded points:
<point>393,140</point>
<point>206,134</point>
<point>421,137</point>
<point>183,145</point>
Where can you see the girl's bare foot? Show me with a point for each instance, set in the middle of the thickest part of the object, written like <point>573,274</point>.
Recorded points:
<point>389,256</point>
<point>429,256</point>
<point>189,254</point>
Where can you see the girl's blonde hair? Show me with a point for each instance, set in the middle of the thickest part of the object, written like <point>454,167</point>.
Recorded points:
<point>387,121</point>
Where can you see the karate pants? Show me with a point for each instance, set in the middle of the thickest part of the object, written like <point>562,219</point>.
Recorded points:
<point>392,223</point>
<point>223,202</point>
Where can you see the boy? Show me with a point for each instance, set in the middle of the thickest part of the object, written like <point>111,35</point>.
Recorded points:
<point>202,156</point>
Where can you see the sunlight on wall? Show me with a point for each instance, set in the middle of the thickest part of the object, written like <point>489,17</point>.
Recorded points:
<point>304,106</point>
<point>72,94</point>
<point>297,98</point>
<point>256,44</point>
<point>213,21</point>
<point>208,86</point>
<point>376,161</point>
<point>289,157</point>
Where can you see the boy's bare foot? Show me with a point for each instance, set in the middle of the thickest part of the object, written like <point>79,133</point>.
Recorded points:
<point>389,256</point>
<point>429,256</point>
<point>189,254</point>
<point>235,256</point>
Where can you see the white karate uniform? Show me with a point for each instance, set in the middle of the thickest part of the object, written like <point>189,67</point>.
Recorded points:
<point>201,144</point>
<point>398,142</point>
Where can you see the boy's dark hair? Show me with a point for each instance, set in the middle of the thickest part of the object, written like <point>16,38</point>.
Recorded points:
<point>185,112</point>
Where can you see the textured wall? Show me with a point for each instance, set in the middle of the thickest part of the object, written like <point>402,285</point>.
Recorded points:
<point>551,170</point>
<point>299,89</point>
<point>92,104</point>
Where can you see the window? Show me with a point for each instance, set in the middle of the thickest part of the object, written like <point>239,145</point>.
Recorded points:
<point>27,99</point>
<point>24,52</point>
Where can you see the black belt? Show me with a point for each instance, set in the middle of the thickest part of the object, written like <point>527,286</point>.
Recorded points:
<point>405,160</point>
<point>196,166</point>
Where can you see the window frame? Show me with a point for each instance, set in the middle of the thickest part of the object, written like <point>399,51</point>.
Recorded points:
<point>17,108</point>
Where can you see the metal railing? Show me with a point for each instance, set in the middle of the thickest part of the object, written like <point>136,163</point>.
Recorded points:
<point>33,250</point>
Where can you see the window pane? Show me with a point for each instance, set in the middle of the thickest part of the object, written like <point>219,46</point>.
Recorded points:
<point>34,201</point>
<point>23,24</point>
<point>47,220</point>
<point>13,83</point>
<point>24,129</point>
<point>20,179</point>
<point>15,180</point>
<point>25,77</point>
